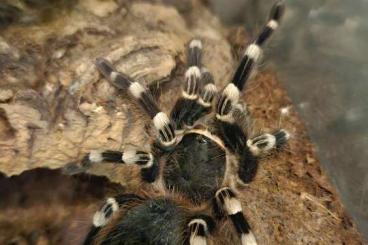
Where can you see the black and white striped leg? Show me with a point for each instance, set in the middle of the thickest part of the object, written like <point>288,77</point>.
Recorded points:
<point>264,143</point>
<point>228,99</point>
<point>252,55</point>
<point>236,141</point>
<point>206,95</point>
<point>143,96</point>
<point>254,150</point>
<point>106,212</point>
<point>203,105</point>
<point>183,107</point>
<point>253,52</point>
<point>195,53</point>
<point>199,228</point>
<point>147,162</point>
<point>231,206</point>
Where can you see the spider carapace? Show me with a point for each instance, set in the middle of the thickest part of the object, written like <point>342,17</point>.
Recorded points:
<point>200,155</point>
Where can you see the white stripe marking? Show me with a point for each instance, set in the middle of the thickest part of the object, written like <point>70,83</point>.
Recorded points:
<point>198,221</point>
<point>287,134</point>
<point>99,219</point>
<point>267,139</point>
<point>161,120</point>
<point>232,92</point>
<point>248,239</point>
<point>95,156</point>
<point>189,96</point>
<point>226,118</point>
<point>202,102</point>
<point>273,24</point>
<point>130,157</point>
<point>254,52</point>
<point>195,43</point>
<point>136,89</point>
<point>232,205</point>
<point>113,76</point>
<point>197,240</point>
<point>114,204</point>
<point>211,88</point>
<point>150,162</point>
<point>193,71</point>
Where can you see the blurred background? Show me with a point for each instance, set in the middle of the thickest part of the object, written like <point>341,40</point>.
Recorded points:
<point>320,54</point>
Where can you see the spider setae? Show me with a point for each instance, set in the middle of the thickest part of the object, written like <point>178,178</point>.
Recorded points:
<point>195,166</point>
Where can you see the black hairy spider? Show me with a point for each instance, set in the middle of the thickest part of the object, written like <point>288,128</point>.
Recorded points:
<point>194,165</point>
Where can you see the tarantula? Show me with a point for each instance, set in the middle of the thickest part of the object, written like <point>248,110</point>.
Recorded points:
<point>196,163</point>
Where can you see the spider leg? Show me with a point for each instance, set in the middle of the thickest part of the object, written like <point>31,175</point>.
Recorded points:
<point>106,212</point>
<point>144,97</point>
<point>147,162</point>
<point>199,228</point>
<point>264,143</point>
<point>252,55</point>
<point>228,203</point>
<point>236,141</point>
<point>194,103</point>
<point>248,151</point>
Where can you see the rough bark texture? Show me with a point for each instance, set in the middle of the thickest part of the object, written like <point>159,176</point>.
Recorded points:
<point>55,107</point>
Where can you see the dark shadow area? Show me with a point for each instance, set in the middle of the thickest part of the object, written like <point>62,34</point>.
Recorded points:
<point>44,205</point>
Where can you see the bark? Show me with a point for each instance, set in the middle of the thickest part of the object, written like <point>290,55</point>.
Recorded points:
<point>55,107</point>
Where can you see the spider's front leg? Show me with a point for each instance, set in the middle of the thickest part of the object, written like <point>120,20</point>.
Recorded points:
<point>231,93</point>
<point>227,203</point>
<point>198,92</point>
<point>248,151</point>
<point>162,123</point>
<point>147,162</point>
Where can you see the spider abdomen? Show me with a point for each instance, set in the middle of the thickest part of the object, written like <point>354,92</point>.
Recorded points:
<point>156,221</point>
<point>196,167</point>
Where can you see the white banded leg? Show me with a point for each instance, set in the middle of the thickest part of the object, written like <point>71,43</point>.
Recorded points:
<point>106,212</point>
<point>253,52</point>
<point>209,90</point>
<point>228,202</point>
<point>194,53</point>
<point>203,104</point>
<point>182,110</point>
<point>266,142</point>
<point>193,73</point>
<point>200,228</point>
<point>144,97</point>
<point>252,55</point>
<point>255,148</point>
<point>147,162</point>
<point>228,99</point>
<point>273,23</point>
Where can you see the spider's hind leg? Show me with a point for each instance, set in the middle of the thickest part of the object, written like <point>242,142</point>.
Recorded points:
<point>198,92</point>
<point>199,228</point>
<point>106,212</point>
<point>229,204</point>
